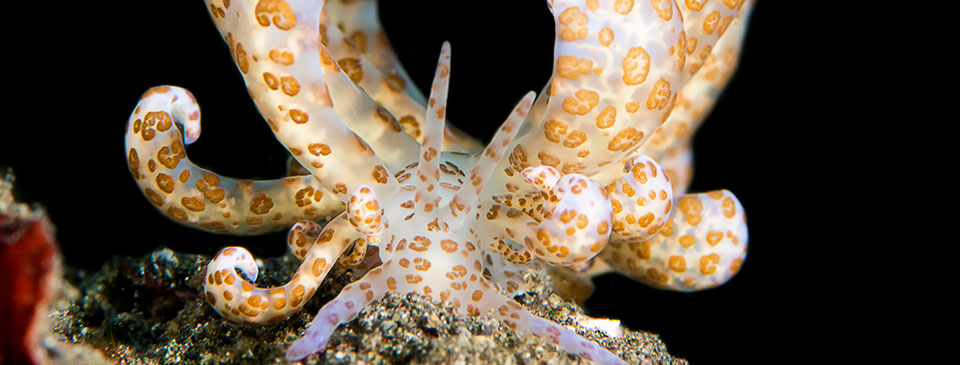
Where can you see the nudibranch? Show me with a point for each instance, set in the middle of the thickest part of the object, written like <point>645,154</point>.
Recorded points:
<point>591,174</point>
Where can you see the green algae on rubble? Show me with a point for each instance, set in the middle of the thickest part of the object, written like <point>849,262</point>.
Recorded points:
<point>148,310</point>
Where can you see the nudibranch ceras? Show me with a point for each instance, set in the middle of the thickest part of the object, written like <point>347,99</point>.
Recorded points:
<point>331,99</point>
<point>704,243</point>
<point>431,241</point>
<point>631,83</point>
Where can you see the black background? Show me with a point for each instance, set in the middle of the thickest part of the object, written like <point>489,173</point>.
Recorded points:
<point>66,146</point>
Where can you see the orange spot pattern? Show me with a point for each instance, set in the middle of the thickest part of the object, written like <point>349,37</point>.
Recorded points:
<point>702,245</point>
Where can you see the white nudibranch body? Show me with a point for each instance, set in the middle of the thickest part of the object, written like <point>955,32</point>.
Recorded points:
<point>451,220</point>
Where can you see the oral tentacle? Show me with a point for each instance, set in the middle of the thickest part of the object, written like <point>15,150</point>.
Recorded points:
<point>703,245</point>
<point>467,197</point>
<point>200,198</point>
<point>238,300</point>
<point>428,171</point>
<point>292,95</point>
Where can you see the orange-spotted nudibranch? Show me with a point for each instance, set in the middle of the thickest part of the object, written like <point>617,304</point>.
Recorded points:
<point>592,173</point>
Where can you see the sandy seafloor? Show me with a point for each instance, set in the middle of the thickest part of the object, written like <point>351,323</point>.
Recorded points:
<point>148,310</point>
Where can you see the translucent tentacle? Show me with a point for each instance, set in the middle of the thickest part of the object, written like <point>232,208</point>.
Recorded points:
<point>370,288</point>
<point>479,299</point>
<point>467,197</point>
<point>276,46</point>
<point>238,300</point>
<point>428,171</point>
<point>200,198</point>
<point>703,245</point>
<point>518,318</point>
